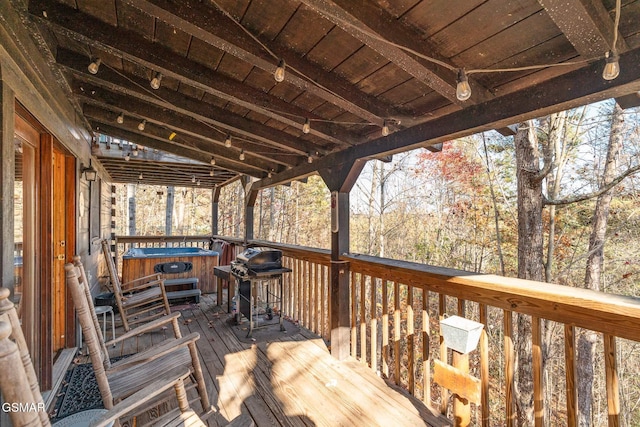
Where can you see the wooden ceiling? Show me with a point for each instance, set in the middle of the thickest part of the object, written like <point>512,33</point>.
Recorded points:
<point>352,67</point>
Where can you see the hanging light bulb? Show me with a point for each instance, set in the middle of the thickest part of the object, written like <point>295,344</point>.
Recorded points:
<point>385,128</point>
<point>306,127</point>
<point>269,175</point>
<point>309,158</point>
<point>127,157</point>
<point>140,176</point>
<point>278,74</point>
<point>213,161</point>
<point>193,179</point>
<point>612,66</point>
<point>120,118</point>
<point>94,66</point>
<point>241,157</point>
<point>227,141</point>
<point>155,81</point>
<point>134,151</point>
<point>198,183</point>
<point>142,125</point>
<point>211,173</point>
<point>463,90</point>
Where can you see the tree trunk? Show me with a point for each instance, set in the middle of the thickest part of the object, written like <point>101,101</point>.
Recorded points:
<point>595,260</point>
<point>168,221</point>
<point>530,256</point>
<point>131,199</point>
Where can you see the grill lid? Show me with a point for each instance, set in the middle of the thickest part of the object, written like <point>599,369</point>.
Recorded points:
<point>260,258</point>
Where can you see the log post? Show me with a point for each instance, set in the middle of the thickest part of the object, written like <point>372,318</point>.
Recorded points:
<point>340,179</point>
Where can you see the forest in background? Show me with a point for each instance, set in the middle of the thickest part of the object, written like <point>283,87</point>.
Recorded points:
<point>459,209</point>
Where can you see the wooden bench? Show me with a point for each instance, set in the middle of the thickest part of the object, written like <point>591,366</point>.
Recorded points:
<point>194,292</point>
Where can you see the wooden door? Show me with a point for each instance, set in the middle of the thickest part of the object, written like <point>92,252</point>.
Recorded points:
<point>59,252</point>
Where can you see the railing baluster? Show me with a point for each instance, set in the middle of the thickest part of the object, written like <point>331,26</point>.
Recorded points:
<point>538,390</point>
<point>410,342</point>
<point>374,325</point>
<point>354,311</point>
<point>363,319</point>
<point>396,331</point>
<point>426,346</point>
<point>570,373</point>
<point>484,366</point>
<point>509,362</point>
<point>611,374</point>
<point>385,328</point>
<point>444,393</point>
<point>323,298</point>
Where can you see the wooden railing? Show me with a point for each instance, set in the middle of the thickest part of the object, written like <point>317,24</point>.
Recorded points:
<point>395,311</point>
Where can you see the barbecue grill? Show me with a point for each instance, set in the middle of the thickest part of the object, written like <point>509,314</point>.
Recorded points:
<point>258,272</point>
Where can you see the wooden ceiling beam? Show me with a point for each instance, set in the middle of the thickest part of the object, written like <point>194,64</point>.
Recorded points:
<point>586,24</point>
<point>110,104</point>
<point>372,26</point>
<point>214,27</point>
<point>152,130</point>
<point>131,46</point>
<point>570,90</point>
<point>166,98</point>
<point>173,148</point>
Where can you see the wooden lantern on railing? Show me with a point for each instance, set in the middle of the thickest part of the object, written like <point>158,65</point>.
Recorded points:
<point>462,336</point>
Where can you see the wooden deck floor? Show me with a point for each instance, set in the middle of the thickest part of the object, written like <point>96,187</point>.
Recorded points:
<point>287,379</point>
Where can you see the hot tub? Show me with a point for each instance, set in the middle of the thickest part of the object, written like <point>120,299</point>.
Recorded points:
<point>138,262</point>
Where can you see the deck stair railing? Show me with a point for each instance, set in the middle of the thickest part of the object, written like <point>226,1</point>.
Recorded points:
<point>396,307</point>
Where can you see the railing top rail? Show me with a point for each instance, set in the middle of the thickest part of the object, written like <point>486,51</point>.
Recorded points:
<point>613,314</point>
<point>135,239</point>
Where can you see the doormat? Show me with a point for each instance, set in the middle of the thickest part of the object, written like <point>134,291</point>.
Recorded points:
<point>79,391</point>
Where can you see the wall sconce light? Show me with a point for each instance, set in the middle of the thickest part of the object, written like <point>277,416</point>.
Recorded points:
<point>90,174</point>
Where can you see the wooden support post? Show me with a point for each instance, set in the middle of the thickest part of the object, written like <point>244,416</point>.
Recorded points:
<point>339,302</point>
<point>215,198</point>
<point>340,179</point>
<point>461,405</point>
<point>250,197</point>
<point>7,176</point>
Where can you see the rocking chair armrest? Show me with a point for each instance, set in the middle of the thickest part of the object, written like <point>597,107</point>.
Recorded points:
<point>154,324</point>
<point>152,353</point>
<point>164,382</point>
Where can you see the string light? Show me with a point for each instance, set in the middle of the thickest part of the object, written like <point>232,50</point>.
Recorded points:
<point>612,66</point>
<point>140,177</point>
<point>135,151</point>
<point>278,74</point>
<point>227,141</point>
<point>242,156</point>
<point>198,183</point>
<point>120,118</point>
<point>94,66</point>
<point>385,128</point>
<point>127,157</point>
<point>155,81</point>
<point>211,173</point>
<point>309,158</point>
<point>142,125</point>
<point>193,179</point>
<point>306,127</point>
<point>463,89</point>
<point>213,161</point>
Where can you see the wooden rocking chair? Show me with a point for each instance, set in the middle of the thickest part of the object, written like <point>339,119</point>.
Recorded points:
<point>19,385</point>
<point>121,379</point>
<point>143,296</point>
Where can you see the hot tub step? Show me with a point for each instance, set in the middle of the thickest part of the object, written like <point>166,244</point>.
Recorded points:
<point>187,293</point>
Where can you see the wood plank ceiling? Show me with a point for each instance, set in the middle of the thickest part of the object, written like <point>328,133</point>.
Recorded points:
<point>352,67</point>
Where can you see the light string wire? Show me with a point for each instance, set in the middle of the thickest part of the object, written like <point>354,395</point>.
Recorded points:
<point>223,132</point>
